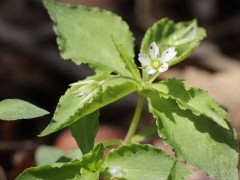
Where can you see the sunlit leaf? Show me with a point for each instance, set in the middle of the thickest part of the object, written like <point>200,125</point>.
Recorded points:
<point>142,162</point>
<point>184,36</point>
<point>196,139</point>
<point>196,100</point>
<point>84,35</point>
<point>85,97</point>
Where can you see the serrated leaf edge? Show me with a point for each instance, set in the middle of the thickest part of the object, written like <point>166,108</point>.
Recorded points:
<point>60,37</point>
<point>76,114</point>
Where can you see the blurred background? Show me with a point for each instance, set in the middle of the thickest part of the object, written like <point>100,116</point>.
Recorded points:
<point>31,68</point>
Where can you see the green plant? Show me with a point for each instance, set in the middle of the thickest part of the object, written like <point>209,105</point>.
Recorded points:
<point>187,119</point>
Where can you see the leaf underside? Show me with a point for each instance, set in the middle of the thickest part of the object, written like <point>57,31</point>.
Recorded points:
<point>84,131</point>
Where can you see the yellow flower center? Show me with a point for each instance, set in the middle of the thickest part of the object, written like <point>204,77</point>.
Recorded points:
<point>155,63</point>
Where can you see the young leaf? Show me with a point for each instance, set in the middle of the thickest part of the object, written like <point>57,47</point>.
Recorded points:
<point>84,35</point>
<point>85,97</point>
<point>142,162</point>
<point>128,59</point>
<point>196,100</point>
<point>92,162</point>
<point>88,175</point>
<point>14,109</point>
<point>184,36</point>
<point>212,147</point>
<point>56,171</point>
<point>85,130</point>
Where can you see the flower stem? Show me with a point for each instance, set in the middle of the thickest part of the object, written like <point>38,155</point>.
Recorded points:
<point>136,117</point>
<point>154,77</point>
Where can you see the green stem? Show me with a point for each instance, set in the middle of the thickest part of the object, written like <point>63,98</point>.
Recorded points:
<point>154,77</point>
<point>136,117</point>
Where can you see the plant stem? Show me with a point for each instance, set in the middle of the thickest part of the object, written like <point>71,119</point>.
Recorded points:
<point>154,77</point>
<point>136,117</point>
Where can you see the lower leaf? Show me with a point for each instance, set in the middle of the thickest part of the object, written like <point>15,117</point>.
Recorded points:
<point>138,161</point>
<point>56,171</point>
<point>196,139</point>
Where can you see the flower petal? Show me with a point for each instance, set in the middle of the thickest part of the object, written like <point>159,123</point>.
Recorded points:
<point>150,70</point>
<point>153,50</point>
<point>168,54</point>
<point>163,68</point>
<point>143,59</point>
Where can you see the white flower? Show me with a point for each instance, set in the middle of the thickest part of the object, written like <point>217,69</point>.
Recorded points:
<point>154,63</point>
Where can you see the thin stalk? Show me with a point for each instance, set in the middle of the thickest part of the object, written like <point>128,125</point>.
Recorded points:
<point>134,124</point>
<point>154,77</point>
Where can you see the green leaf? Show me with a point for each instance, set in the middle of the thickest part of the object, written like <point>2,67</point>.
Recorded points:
<point>184,36</point>
<point>85,130</point>
<point>128,59</point>
<point>47,155</point>
<point>196,100</point>
<point>52,172</point>
<point>92,162</point>
<point>87,168</point>
<point>89,175</point>
<point>196,139</point>
<point>84,35</point>
<point>85,97</point>
<point>142,162</point>
<point>14,109</point>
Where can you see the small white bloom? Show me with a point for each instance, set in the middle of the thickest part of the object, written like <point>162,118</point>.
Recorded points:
<point>154,63</point>
<point>153,50</point>
<point>168,54</point>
